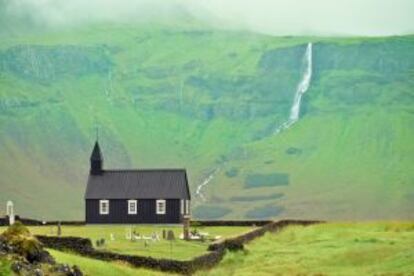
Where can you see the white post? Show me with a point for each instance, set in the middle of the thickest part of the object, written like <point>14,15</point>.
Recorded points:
<point>10,211</point>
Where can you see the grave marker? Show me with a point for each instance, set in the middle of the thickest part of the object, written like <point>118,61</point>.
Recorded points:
<point>170,235</point>
<point>59,229</point>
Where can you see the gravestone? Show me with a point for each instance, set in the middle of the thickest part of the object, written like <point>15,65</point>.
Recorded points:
<point>170,235</point>
<point>10,211</point>
<point>59,229</point>
<point>171,238</point>
<point>164,234</point>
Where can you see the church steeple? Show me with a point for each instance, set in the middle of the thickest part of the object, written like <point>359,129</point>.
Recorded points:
<point>96,160</point>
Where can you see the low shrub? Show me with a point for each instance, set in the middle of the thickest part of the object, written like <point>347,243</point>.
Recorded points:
<point>266,180</point>
<point>18,236</point>
<point>265,212</point>
<point>210,212</point>
<point>258,197</point>
<point>257,223</point>
<point>232,172</point>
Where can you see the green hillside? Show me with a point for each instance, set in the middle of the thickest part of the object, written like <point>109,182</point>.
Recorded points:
<point>209,101</point>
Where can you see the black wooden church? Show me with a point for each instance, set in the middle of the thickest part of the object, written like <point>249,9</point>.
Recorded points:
<point>135,196</point>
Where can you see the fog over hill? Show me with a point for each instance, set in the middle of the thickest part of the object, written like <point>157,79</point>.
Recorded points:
<point>276,17</point>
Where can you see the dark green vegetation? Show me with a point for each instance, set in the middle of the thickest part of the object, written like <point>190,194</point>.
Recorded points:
<point>189,96</point>
<point>210,211</point>
<point>267,180</point>
<point>254,198</point>
<point>264,212</point>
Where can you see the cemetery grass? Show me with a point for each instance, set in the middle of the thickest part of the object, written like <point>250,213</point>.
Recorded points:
<point>371,248</point>
<point>177,249</point>
<point>97,267</point>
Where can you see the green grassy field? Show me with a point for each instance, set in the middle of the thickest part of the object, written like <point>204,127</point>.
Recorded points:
<point>209,100</point>
<point>327,249</point>
<point>178,249</point>
<point>369,248</point>
<point>5,267</point>
<point>372,248</point>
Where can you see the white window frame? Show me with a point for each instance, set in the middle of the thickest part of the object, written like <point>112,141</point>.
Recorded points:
<point>182,206</point>
<point>160,211</point>
<point>132,211</point>
<point>187,207</point>
<point>102,210</point>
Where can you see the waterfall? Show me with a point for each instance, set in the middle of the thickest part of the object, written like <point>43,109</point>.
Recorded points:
<point>300,90</point>
<point>293,116</point>
<point>205,182</point>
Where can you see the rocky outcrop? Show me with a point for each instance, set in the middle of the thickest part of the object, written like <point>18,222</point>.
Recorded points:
<point>44,64</point>
<point>27,255</point>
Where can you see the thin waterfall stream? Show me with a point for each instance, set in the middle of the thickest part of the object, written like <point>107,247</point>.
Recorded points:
<point>301,89</point>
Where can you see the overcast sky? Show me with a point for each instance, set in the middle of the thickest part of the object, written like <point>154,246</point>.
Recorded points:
<point>277,17</point>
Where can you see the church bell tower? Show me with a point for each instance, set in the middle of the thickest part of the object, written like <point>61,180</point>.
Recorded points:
<point>96,160</point>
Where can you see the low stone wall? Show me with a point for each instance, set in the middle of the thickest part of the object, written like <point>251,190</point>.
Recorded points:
<point>76,244</point>
<point>67,222</point>
<point>84,247</point>
<point>230,222</point>
<point>216,252</point>
<point>4,221</point>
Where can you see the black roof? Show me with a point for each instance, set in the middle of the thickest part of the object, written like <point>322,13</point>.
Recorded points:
<point>138,184</point>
